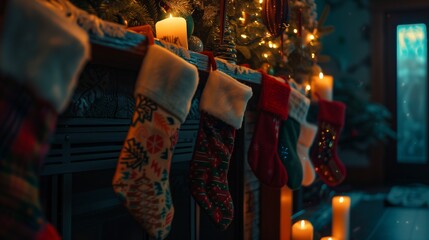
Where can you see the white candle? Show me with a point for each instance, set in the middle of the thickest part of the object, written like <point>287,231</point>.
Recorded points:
<point>328,238</point>
<point>322,85</point>
<point>302,230</point>
<point>340,217</point>
<point>173,30</point>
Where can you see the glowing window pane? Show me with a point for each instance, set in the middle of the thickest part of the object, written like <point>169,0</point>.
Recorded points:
<point>411,93</point>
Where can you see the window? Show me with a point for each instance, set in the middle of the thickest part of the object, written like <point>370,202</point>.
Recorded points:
<point>411,85</point>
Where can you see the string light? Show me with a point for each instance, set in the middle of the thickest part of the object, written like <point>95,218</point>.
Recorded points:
<point>244,36</point>
<point>265,55</point>
<point>311,37</point>
<point>308,87</point>
<point>270,44</point>
<point>295,30</point>
<point>313,55</point>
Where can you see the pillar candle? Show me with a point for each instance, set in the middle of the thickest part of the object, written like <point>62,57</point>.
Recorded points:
<point>340,217</point>
<point>173,30</point>
<point>328,238</point>
<point>323,86</point>
<point>302,230</point>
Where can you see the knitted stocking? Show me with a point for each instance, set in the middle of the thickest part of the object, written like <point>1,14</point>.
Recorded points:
<point>262,156</point>
<point>305,140</point>
<point>223,103</point>
<point>41,55</point>
<point>324,156</point>
<point>163,92</point>
<point>288,138</point>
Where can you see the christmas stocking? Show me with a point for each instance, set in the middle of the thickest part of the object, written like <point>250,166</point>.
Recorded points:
<point>222,106</point>
<point>288,138</point>
<point>305,140</point>
<point>262,156</point>
<point>41,55</point>
<point>324,154</point>
<point>163,93</point>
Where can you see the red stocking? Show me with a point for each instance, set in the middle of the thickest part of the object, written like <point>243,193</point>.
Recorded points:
<point>324,156</point>
<point>263,157</point>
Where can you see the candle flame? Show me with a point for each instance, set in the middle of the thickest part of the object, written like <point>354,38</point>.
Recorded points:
<point>341,199</point>
<point>308,87</point>
<point>171,16</point>
<point>302,223</point>
<point>321,75</point>
<point>329,238</point>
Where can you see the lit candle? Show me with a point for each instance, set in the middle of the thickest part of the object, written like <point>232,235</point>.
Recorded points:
<point>340,217</point>
<point>302,230</point>
<point>328,238</point>
<point>173,30</point>
<point>322,85</point>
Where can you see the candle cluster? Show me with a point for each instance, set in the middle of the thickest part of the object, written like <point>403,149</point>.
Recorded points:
<point>303,230</point>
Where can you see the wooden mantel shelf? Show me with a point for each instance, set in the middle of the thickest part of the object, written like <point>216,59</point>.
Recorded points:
<point>126,54</point>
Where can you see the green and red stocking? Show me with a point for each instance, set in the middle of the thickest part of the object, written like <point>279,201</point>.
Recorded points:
<point>288,138</point>
<point>222,106</point>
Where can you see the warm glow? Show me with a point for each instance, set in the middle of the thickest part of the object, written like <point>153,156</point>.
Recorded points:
<point>302,224</point>
<point>341,199</point>
<point>274,45</point>
<point>270,44</point>
<point>311,37</point>
<point>295,30</point>
<point>308,87</point>
<point>171,16</point>
<point>243,18</point>
<point>244,36</point>
<point>321,75</point>
<point>261,1</point>
<point>313,55</point>
<point>265,55</point>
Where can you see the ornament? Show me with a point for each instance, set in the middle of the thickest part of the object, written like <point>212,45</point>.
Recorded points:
<point>274,16</point>
<point>195,44</point>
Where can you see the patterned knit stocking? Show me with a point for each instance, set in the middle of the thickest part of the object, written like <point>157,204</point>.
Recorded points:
<point>25,127</point>
<point>163,99</point>
<point>223,103</point>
